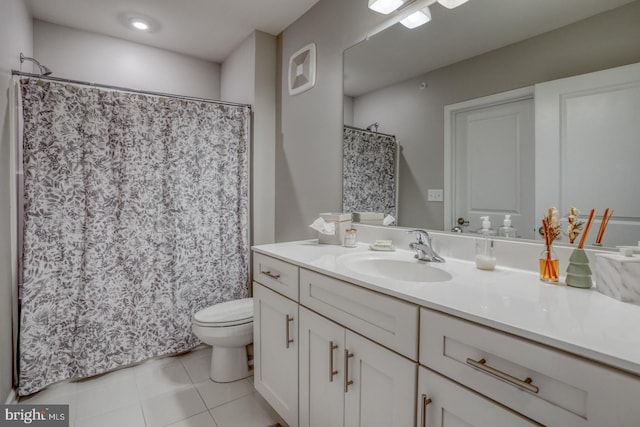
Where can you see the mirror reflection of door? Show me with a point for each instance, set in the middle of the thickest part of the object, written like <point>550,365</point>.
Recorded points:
<point>494,171</point>
<point>588,147</point>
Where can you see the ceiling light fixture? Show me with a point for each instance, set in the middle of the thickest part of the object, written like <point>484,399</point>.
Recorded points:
<point>417,18</point>
<point>450,4</point>
<point>139,24</point>
<point>411,14</point>
<point>385,6</point>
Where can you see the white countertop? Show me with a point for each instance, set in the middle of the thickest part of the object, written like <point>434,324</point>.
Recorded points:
<point>580,321</point>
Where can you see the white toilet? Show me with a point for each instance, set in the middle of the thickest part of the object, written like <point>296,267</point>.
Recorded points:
<point>228,328</point>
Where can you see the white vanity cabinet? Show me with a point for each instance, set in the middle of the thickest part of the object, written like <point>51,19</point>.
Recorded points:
<point>548,386</point>
<point>348,380</point>
<point>332,353</point>
<point>275,335</point>
<point>275,343</point>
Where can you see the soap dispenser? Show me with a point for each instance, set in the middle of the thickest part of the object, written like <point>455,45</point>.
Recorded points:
<point>486,229</point>
<point>485,256</point>
<point>507,230</point>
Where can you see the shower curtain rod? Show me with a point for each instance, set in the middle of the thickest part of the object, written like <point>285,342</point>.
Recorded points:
<point>125,89</point>
<point>369,131</point>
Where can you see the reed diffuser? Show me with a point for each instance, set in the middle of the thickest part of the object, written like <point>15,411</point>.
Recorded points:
<point>578,271</point>
<point>549,263</point>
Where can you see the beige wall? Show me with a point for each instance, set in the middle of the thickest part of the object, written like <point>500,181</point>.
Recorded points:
<point>309,158</point>
<point>15,37</point>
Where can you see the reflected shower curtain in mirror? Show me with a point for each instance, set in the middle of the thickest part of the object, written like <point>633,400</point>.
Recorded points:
<point>369,176</point>
<point>135,217</point>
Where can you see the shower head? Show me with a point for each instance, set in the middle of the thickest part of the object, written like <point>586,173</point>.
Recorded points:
<point>371,126</point>
<point>44,70</point>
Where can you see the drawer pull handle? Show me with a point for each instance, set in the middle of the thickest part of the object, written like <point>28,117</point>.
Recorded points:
<point>347,382</point>
<point>332,372</point>
<point>425,401</point>
<point>288,339</point>
<point>481,365</point>
<point>274,276</point>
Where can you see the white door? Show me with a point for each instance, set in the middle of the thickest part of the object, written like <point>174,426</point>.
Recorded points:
<point>588,148</point>
<point>321,371</point>
<point>443,403</point>
<point>275,341</point>
<point>380,384</point>
<point>493,158</point>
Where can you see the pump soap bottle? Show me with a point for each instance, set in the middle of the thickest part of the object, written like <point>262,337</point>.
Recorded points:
<point>507,230</point>
<point>485,256</point>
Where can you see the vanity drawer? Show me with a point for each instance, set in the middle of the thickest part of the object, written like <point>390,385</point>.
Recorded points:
<point>276,275</point>
<point>386,320</point>
<point>549,386</point>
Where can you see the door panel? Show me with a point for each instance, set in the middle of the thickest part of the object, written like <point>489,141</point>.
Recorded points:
<point>276,359</point>
<point>587,148</point>
<point>321,371</point>
<point>494,153</point>
<point>383,389</point>
<point>452,405</point>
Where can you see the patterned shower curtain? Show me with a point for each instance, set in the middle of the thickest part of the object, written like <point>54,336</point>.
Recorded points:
<point>369,172</point>
<point>135,217</point>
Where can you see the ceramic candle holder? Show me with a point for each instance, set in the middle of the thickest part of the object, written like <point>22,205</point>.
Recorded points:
<point>578,271</point>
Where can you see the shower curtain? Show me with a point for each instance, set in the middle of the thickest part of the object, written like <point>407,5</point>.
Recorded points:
<point>369,172</point>
<point>135,217</point>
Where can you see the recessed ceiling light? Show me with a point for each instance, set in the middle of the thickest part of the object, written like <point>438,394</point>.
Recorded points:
<point>136,21</point>
<point>139,24</point>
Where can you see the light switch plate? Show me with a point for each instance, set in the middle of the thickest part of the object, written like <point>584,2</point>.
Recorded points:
<point>435,195</point>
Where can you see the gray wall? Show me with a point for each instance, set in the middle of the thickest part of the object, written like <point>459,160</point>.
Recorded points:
<point>309,146</point>
<point>15,37</point>
<point>309,162</point>
<point>249,76</point>
<point>81,55</point>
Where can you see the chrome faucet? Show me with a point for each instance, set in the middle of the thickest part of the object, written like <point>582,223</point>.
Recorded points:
<point>424,249</point>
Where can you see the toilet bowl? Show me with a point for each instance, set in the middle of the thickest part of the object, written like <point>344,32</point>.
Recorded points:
<point>228,328</point>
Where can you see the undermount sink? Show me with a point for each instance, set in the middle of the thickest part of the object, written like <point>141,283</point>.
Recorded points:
<point>393,265</point>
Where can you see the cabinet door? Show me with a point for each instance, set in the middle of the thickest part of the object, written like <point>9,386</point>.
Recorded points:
<point>380,387</point>
<point>321,371</point>
<point>275,339</point>
<point>443,403</point>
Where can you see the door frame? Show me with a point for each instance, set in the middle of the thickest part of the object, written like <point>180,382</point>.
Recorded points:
<point>450,112</point>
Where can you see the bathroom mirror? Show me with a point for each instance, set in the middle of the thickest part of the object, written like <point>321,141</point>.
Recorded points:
<point>403,79</point>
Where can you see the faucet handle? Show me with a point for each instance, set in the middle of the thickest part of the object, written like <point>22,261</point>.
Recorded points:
<point>421,236</point>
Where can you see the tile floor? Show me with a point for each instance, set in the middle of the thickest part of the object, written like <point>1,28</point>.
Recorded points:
<point>172,391</point>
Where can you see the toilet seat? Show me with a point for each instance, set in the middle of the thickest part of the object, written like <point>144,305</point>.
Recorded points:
<point>230,313</point>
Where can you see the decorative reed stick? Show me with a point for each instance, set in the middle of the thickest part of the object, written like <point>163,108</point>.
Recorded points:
<point>587,228</point>
<point>603,225</point>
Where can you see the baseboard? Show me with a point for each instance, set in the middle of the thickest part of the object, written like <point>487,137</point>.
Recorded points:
<point>12,398</point>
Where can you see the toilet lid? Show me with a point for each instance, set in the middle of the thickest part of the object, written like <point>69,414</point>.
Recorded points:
<point>227,313</point>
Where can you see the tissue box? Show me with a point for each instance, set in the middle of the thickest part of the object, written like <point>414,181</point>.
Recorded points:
<point>342,221</point>
<point>618,276</point>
